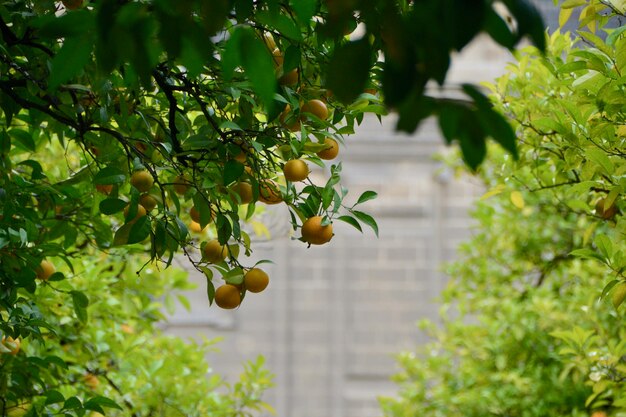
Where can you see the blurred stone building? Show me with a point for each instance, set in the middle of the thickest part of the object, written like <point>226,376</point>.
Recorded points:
<point>333,317</point>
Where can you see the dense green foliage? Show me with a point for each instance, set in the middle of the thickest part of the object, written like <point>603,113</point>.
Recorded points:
<point>533,315</point>
<point>159,128</point>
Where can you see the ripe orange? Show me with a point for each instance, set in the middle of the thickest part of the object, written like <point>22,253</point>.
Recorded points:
<point>244,191</point>
<point>72,4</point>
<point>241,157</point>
<point>91,381</point>
<point>181,185</point>
<point>606,212</point>
<point>256,280</point>
<point>214,252</point>
<point>194,214</point>
<point>104,188</point>
<point>289,78</point>
<point>227,296</point>
<point>331,151</point>
<point>317,108</point>
<point>296,170</point>
<point>314,233</point>
<point>195,227</point>
<point>12,344</point>
<point>141,180</point>
<point>45,269</point>
<point>141,211</point>
<point>127,328</point>
<point>269,193</point>
<point>599,413</point>
<point>148,202</point>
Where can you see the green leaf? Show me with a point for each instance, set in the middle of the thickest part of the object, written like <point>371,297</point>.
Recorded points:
<point>80,299</point>
<point>499,31</point>
<point>70,60</point>
<point>367,219</point>
<point>109,175</point>
<point>529,21</point>
<point>258,65</point>
<point>112,205</point>
<point>619,294</point>
<point>351,221</point>
<point>607,288</point>
<point>305,9</point>
<point>493,122</point>
<point>366,196</point>
<point>604,245</point>
<point>348,70</point>
<point>232,171</point>
<point>231,57</point>
<point>23,138</point>
<point>586,254</point>
<point>72,403</point>
<point>53,397</point>
<point>600,157</point>
<point>68,25</point>
<point>465,20</point>
<point>140,230</point>
<point>103,402</point>
<point>234,276</point>
<point>281,23</point>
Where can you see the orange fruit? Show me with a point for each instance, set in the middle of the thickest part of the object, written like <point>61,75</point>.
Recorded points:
<point>241,157</point>
<point>12,344</point>
<point>289,78</point>
<point>256,280</point>
<point>331,151</point>
<point>72,4</point>
<point>91,381</point>
<point>213,252</point>
<point>599,413</point>
<point>45,269</point>
<point>195,227</point>
<point>314,233</point>
<point>243,190</point>
<point>606,212</point>
<point>141,211</point>
<point>127,328</point>
<point>317,108</point>
<point>104,188</point>
<point>296,170</point>
<point>269,193</point>
<point>141,180</point>
<point>227,296</point>
<point>194,214</point>
<point>148,202</point>
<point>180,185</point>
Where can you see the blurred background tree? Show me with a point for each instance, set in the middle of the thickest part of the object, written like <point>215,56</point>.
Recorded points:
<point>533,315</point>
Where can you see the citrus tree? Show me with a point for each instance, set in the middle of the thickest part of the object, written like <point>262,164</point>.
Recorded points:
<point>160,128</point>
<point>532,319</point>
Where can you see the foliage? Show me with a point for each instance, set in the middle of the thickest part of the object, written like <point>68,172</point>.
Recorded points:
<point>115,360</point>
<point>532,316</point>
<point>123,121</point>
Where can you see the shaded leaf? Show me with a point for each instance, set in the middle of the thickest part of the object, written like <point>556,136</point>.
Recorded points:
<point>348,70</point>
